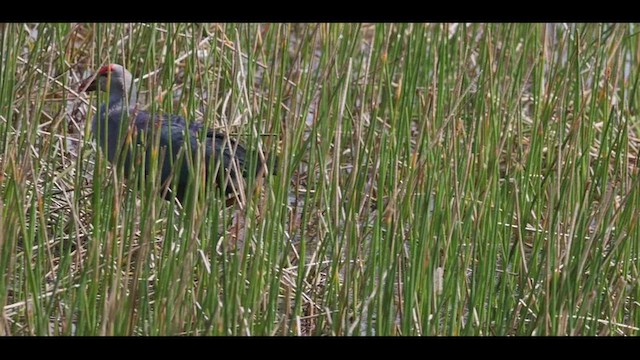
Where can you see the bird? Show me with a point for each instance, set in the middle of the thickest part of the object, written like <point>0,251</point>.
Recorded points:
<point>121,118</point>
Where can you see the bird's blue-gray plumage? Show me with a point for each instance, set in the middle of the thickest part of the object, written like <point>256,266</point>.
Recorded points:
<point>111,127</point>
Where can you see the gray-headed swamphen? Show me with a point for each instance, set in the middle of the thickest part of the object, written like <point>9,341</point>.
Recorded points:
<point>120,118</point>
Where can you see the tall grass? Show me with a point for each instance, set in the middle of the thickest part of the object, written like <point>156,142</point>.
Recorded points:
<point>431,179</point>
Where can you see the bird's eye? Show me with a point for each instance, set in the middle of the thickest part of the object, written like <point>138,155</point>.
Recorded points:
<point>104,71</point>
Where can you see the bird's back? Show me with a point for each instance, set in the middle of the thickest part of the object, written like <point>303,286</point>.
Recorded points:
<point>172,132</point>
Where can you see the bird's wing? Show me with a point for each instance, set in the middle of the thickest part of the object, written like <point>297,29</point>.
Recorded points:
<point>173,130</point>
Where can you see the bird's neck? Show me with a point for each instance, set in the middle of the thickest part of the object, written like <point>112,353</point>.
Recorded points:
<point>118,97</point>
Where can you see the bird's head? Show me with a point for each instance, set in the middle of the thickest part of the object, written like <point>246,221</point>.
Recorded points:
<point>109,78</point>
